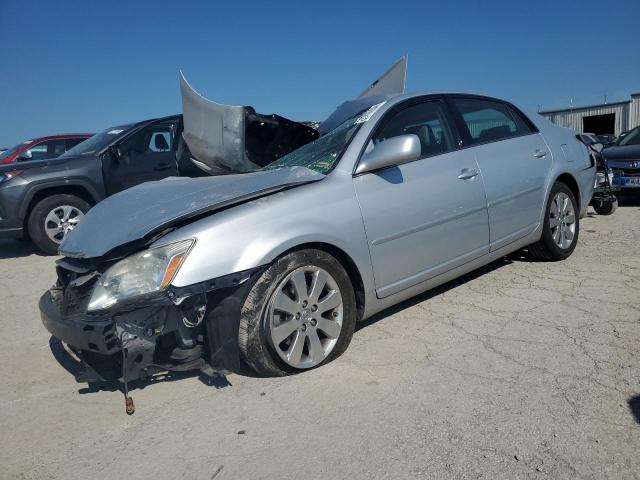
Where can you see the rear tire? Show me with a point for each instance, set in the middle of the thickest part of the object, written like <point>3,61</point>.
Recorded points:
<point>261,317</point>
<point>560,223</point>
<point>36,224</point>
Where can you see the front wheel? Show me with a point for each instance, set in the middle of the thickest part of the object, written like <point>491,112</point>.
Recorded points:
<point>561,226</point>
<point>605,207</point>
<point>300,314</point>
<point>53,218</point>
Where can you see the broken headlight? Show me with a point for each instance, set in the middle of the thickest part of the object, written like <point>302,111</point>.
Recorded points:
<point>142,273</point>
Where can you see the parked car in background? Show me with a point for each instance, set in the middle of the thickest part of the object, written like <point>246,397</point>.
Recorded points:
<point>603,139</point>
<point>624,159</point>
<point>606,139</point>
<point>44,199</point>
<point>276,266</point>
<point>39,148</point>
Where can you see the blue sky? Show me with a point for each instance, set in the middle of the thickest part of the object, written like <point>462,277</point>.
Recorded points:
<point>84,66</point>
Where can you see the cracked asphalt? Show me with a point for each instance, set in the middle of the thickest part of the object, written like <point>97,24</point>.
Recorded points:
<point>521,370</point>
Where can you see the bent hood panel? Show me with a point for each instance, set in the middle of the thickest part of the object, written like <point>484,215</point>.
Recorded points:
<point>151,207</point>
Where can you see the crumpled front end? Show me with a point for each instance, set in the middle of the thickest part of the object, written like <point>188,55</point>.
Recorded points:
<point>176,329</point>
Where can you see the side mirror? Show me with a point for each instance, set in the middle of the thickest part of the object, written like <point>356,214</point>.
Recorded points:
<point>25,155</point>
<point>597,146</point>
<point>393,151</point>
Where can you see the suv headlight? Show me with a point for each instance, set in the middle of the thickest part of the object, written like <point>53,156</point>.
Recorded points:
<point>142,273</point>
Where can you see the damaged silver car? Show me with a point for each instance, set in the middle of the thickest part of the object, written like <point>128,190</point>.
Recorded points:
<point>274,267</point>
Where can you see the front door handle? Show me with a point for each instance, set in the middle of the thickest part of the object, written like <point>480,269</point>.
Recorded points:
<point>163,166</point>
<point>540,154</point>
<point>467,174</point>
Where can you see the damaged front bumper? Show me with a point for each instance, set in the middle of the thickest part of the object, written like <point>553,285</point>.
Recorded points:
<point>178,329</point>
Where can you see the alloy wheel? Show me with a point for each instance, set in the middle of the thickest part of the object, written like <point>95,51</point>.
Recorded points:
<point>562,220</point>
<point>304,317</point>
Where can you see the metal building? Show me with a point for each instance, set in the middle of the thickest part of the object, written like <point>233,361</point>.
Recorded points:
<point>607,118</point>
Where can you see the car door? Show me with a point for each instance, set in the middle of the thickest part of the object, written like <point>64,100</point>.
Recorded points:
<point>146,155</point>
<point>514,160</point>
<point>424,217</point>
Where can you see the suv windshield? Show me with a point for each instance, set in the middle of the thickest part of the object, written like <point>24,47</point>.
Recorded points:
<point>631,138</point>
<point>96,143</point>
<point>322,154</point>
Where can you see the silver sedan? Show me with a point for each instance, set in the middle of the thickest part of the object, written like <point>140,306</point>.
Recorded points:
<point>275,267</point>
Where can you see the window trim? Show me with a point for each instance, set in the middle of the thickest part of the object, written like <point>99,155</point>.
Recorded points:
<point>465,138</point>
<point>389,114</point>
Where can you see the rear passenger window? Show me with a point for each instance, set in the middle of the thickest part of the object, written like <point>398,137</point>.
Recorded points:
<point>489,121</point>
<point>426,120</point>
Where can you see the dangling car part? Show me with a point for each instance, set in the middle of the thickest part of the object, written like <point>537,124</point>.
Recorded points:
<point>603,201</point>
<point>237,139</point>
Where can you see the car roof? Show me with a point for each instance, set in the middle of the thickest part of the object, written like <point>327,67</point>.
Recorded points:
<point>58,137</point>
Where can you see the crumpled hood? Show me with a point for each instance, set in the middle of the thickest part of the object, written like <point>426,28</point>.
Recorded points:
<point>155,206</point>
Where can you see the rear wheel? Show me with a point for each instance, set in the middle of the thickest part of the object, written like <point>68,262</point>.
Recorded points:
<point>300,314</point>
<point>561,226</point>
<point>53,218</point>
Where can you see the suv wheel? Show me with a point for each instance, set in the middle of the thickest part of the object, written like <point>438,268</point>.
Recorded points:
<point>300,314</point>
<point>53,218</point>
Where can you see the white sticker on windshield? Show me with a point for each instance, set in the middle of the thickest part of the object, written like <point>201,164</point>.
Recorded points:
<point>114,132</point>
<point>369,113</point>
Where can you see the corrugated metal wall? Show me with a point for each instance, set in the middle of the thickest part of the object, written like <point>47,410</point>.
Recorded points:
<point>573,118</point>
<point>634,111</point>
<point>627,115</point>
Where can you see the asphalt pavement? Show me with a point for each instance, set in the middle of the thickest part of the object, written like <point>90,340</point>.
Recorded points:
<point>523,369</point>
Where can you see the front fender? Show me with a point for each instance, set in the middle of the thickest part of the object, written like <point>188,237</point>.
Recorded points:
<point>256,233</point>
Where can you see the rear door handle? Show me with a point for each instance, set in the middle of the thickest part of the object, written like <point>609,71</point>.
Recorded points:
<point>162,166</point>
<point>467,174</point>
<point>540,154</point>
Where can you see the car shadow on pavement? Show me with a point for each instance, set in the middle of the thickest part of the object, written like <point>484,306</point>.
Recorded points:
<point>17,249</point>
<point>634,406</point>
<point>519,256</point>
<point>74,366</point>
<point>628,200</point>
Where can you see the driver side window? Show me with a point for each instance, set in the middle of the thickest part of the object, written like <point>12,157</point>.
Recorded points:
<point>151,140</point>
<point>427,121</point>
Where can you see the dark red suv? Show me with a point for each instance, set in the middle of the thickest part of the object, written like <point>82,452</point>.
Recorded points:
<point>43,147</point>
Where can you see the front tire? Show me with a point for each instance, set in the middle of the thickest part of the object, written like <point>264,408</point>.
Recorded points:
<point>561,226</point>
<point>52,218</point>
<point>605,207</point>
<point>300,314</point>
